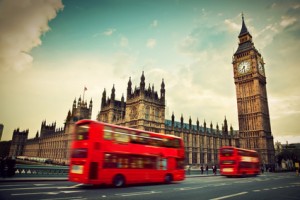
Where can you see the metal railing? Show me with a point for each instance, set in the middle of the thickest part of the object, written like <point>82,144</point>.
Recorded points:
<point>41,170</point>
<point>23,170</point>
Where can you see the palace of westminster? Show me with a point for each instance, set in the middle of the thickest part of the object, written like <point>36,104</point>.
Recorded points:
<point>144,109</point>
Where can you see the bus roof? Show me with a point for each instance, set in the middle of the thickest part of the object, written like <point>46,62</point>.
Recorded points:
<point>232,147</point>
<point>83,121</point>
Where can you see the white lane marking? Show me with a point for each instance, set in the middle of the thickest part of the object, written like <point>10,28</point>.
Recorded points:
<point>220,184</point>
<point>243,181</point>
<point>188,188</point>
<point>80,184</point>
<point>73,186</point>
<point>296,183</point>
<point>12,185</point>
<point>228,196</point>
<point>32,193</point>
<point>31,188</point>
<point>256,190</point>
<point>50,193</point>
<point>66,198</point>
<point>137,193</point>
<point>41,184</point>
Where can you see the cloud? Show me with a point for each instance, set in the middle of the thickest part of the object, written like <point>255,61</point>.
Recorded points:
<point>287,21</point>
<point>266,35</point>
<point>109,32</point>
<point>296,6</point>
<point>123,63</point>
<point>232,27</point>
<point>202,40</point>
<point>22,24</point>
<point>124,41</point>
<point>154,24</point>
<point>151,43</point>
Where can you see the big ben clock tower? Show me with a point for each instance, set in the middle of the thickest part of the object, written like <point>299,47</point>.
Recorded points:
<point>252,102</point>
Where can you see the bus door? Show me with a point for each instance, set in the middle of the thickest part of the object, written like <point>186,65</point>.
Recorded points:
<point>161,167</point>
<point>96,158</point>
<point>162,163</point>
<point>171,163</point>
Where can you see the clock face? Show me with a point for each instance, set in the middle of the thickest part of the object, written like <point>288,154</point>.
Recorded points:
<point>244,67</point>
<point>261,68</point>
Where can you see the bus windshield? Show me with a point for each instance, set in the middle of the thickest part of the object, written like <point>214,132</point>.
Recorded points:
<point>79,153</point>
<point>226,152</point>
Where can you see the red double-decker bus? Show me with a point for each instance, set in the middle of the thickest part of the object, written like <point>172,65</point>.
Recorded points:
<point>238,162</point>
<point>103,153</point>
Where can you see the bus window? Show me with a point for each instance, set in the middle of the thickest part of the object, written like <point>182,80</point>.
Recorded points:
<point>227,152</point>
<point>162,164</point>
<point>133,137</point>
<point>79,153</point>
<point>108,135</point>
<point>121,135</point>
<point>82,132</point>
<point>144,138</point>
<point>172,142</point>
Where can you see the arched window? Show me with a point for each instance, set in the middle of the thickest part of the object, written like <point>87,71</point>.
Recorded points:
<point>147,113</point>
<point>156,114</point>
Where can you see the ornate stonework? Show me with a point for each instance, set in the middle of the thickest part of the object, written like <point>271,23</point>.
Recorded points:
<point>252,102</point>
<point>144,109</point>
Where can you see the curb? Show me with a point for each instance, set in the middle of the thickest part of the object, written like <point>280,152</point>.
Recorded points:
<point>33,179</point>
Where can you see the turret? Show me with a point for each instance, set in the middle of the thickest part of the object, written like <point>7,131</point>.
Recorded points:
<point>181,121</point>
<point>91,104</point>
<point>153,92</point>
<point>103,100</point>
<point>142,84</point>
<point>225,127</point>
<point>129,89</point>
<point>79,102</point>
<point>74,105</point>
<point>90,108</point>
<point>113,94</point>
<point>173,119</point>
<point>162,91</point>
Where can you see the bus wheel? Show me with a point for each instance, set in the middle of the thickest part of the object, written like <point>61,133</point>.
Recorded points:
<point>119,181</point>
<point>168,179</point>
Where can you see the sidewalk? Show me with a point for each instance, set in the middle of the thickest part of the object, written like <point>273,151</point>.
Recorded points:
<point>32,178</point>
<point>28,179</point>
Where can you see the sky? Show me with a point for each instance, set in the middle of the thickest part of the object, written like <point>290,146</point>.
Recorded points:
<point>51,49</point>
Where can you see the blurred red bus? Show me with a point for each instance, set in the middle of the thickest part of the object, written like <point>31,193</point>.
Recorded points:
<point>238,162</point>
<point>103,153</point>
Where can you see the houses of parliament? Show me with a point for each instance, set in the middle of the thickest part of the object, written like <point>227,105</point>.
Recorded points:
<point>144,108</point>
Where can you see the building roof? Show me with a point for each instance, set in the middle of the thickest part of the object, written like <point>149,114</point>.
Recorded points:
<point>245,47</point>
<point>244,29</point>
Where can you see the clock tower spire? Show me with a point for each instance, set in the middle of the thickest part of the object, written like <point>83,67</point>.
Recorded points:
<point>252,102</point>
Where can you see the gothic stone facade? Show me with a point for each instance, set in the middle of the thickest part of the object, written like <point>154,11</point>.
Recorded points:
<point>145,109</point>
<point>51,142</point>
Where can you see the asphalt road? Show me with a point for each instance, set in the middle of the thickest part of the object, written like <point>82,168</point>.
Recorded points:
<point>267,186</point>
